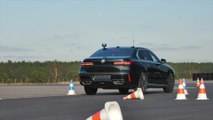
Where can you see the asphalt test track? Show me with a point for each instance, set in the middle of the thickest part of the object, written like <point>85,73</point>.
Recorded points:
<point>156,105</point>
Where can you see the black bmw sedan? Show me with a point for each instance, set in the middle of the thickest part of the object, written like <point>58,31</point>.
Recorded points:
<point>125,68</point>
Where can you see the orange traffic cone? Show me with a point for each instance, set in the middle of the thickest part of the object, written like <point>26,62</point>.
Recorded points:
<point>137,94</point>
<point>180,94</point>
<point>111,111</point>
<point>198,82</point>
<point>202,92</point>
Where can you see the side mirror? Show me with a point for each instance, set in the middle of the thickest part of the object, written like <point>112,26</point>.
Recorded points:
<point>163,60</point>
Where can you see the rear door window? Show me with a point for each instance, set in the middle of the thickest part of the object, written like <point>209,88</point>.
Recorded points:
<point>144,55</point>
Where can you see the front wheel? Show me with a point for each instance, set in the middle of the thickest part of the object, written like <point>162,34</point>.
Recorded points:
<point>170,84</point>
<point>90,90</point>
<point>143,80</point>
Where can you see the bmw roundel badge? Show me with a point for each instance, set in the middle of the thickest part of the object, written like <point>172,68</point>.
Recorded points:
<point>102,61</point>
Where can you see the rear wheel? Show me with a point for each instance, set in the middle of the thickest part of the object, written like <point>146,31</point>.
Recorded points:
<point>90,90</point>
<point>143,80</point>
<point>170,85</point>
<point>123,90</point>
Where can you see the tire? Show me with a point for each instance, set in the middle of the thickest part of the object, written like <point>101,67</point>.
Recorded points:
<point>142,82</point>
<point>123,90</point>
<point>170,85</point>
<point>90,90</point>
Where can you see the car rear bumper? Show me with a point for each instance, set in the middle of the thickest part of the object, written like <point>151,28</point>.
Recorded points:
<point>109,81</point>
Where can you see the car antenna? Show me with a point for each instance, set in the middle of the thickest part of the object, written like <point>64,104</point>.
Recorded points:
<point>104,45</point>
<point>133,39</point>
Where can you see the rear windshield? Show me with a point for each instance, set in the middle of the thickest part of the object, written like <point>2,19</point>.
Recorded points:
<point>113,52</point>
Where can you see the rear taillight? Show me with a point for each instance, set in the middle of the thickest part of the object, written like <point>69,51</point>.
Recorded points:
<point>87,64</point>
<point>129,78</point>
<point>123,63</point>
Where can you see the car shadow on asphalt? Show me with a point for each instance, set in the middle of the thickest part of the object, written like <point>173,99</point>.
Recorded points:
<point>153,91</point>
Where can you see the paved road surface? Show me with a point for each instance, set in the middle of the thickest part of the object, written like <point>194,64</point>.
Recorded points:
<point>157,105</point>
<point>31,91</point>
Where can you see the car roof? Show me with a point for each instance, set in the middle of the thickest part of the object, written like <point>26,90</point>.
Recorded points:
<point>133,47</point>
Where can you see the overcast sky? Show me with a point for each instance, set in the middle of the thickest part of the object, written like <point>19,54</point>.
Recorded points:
<point>68,30</point>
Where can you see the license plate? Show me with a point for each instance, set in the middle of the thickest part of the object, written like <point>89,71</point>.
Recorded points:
<point>102,77</point>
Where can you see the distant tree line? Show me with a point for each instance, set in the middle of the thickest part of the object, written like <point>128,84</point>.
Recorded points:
<point>56,71</point>
<point>38,72</point>
<point>185,70</point>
